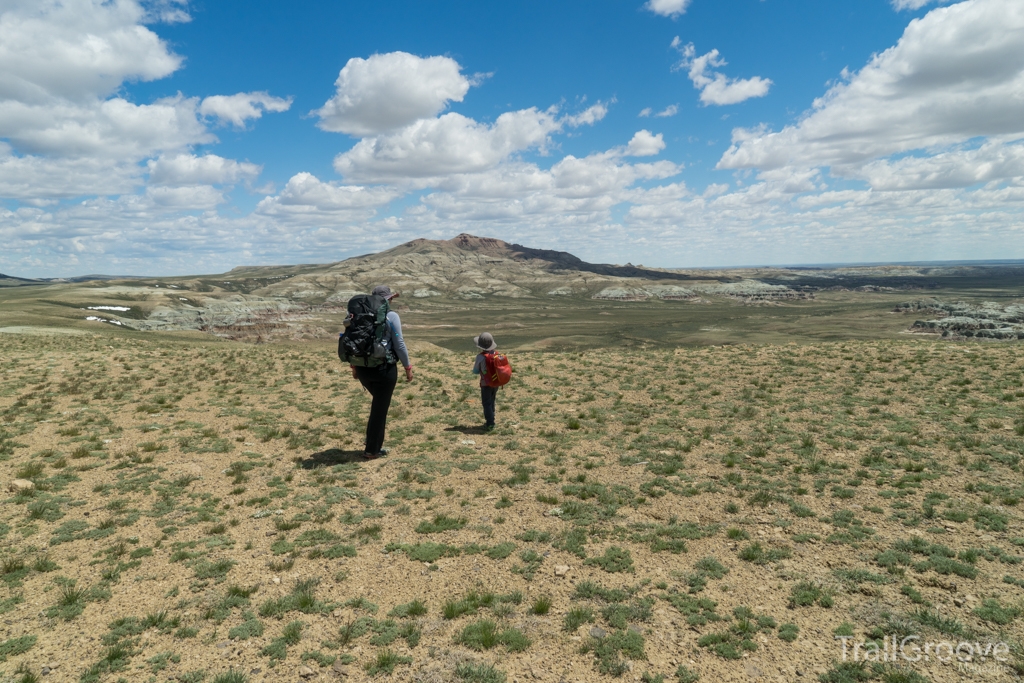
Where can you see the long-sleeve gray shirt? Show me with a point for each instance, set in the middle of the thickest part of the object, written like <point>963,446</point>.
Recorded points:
<point>397,343</point>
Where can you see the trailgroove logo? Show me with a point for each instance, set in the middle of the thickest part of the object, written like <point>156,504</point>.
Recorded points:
<point>913,649</point>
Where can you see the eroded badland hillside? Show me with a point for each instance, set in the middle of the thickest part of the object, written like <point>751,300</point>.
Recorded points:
<point>541,299</point>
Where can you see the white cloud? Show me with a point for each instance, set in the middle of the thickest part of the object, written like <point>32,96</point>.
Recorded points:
<point>167,11</point>
<point>306,195</point>
<point>668,8</point>
<point>33,179</point>
<point>112,128</point>
<point>446,145</point>
<point>956,75</point>
<point>239,108</point>
<point>645,144</point>
<point>670,110</point>
<point>645,112</point>
<point>715,87</point>
<point>186,198</point>
<point>76,49</point>
<point>580,191</point>
<point>900,5</point>
<point>209,169</point>
<point>389,91</point>
<point>957,168</point>
<point>588,116</point>
<point>62,64</point>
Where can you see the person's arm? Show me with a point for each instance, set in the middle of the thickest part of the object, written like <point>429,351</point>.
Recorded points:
<point>477,369</point>
<point>398,343</point>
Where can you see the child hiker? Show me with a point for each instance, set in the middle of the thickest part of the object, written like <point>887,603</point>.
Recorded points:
<point>488,390</point>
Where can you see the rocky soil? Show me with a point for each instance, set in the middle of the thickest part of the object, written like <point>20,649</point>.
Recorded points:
<point>199,512</point>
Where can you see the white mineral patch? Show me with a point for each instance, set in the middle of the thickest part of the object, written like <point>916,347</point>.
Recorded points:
<point>108,308</point>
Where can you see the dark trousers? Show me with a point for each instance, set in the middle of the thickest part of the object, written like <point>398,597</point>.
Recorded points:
<point>380,382</point>
<point>487,396</point>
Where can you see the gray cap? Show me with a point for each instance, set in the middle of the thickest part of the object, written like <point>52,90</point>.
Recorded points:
<point>485,341</point>
<point>384,291</point>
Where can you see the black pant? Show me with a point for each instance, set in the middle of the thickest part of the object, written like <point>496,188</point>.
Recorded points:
<point>487,396</point>
<point>380,382</point>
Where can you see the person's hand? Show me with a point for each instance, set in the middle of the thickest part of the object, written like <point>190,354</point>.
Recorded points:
<point>408,374</point>
<point>354,375</point>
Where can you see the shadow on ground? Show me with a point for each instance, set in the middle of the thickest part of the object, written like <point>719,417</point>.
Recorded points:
<point>332,456</point>
<point>468,429</point>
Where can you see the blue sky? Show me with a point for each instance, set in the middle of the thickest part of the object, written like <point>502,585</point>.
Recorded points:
<point>172,137</point>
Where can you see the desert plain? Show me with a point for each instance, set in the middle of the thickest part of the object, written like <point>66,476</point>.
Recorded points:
<point>757,505</point>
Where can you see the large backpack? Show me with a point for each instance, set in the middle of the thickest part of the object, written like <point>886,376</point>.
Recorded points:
<point>499,370</point>
<point>363,342</point>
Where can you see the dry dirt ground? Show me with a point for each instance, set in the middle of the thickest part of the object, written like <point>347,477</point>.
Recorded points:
<point>198,511</point>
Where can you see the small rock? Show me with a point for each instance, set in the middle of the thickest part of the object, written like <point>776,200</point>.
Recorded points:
<point>46,671</point>
<point>339,668</point>
<point>53,665</point>
<point>253,672</point>
<point>561,569</point>
<point>276,580</point>
<point>271,533</point>
<point>597,632</point>
<point>959,602</point>
<point>223,645</point>
<point>18,485</point>
<point>306,672</point>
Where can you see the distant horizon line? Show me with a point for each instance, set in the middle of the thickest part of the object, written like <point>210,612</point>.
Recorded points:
<point>790,266</point>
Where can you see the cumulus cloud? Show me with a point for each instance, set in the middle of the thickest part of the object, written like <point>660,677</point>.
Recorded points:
<point>645,144</point>
<point>715,87</point>
<point>167,11</point>
<point>113,128</point>
<point>239,108</point>
<point>668,8</point>
<point>955,75</point>
<point>900,5</point>
<point>956,168</point>
<point>453,144</point>
<point>209,169</point>
<point>77,49</point>
<point>388,91</point>
<point>62,64</point>
<point>34,179</point>
<point>588,116</point>
<point>579,190</point>
<point>186,198</point>
<point>670,110</point>
<point>306,195</point>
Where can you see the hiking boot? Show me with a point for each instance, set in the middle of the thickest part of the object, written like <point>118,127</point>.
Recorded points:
<point>373,456</point>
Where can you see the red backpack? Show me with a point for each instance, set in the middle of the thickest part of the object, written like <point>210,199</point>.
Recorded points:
<point>499,371</point>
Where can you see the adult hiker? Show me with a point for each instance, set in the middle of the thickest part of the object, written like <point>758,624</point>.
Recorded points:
<point>378,372</point>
